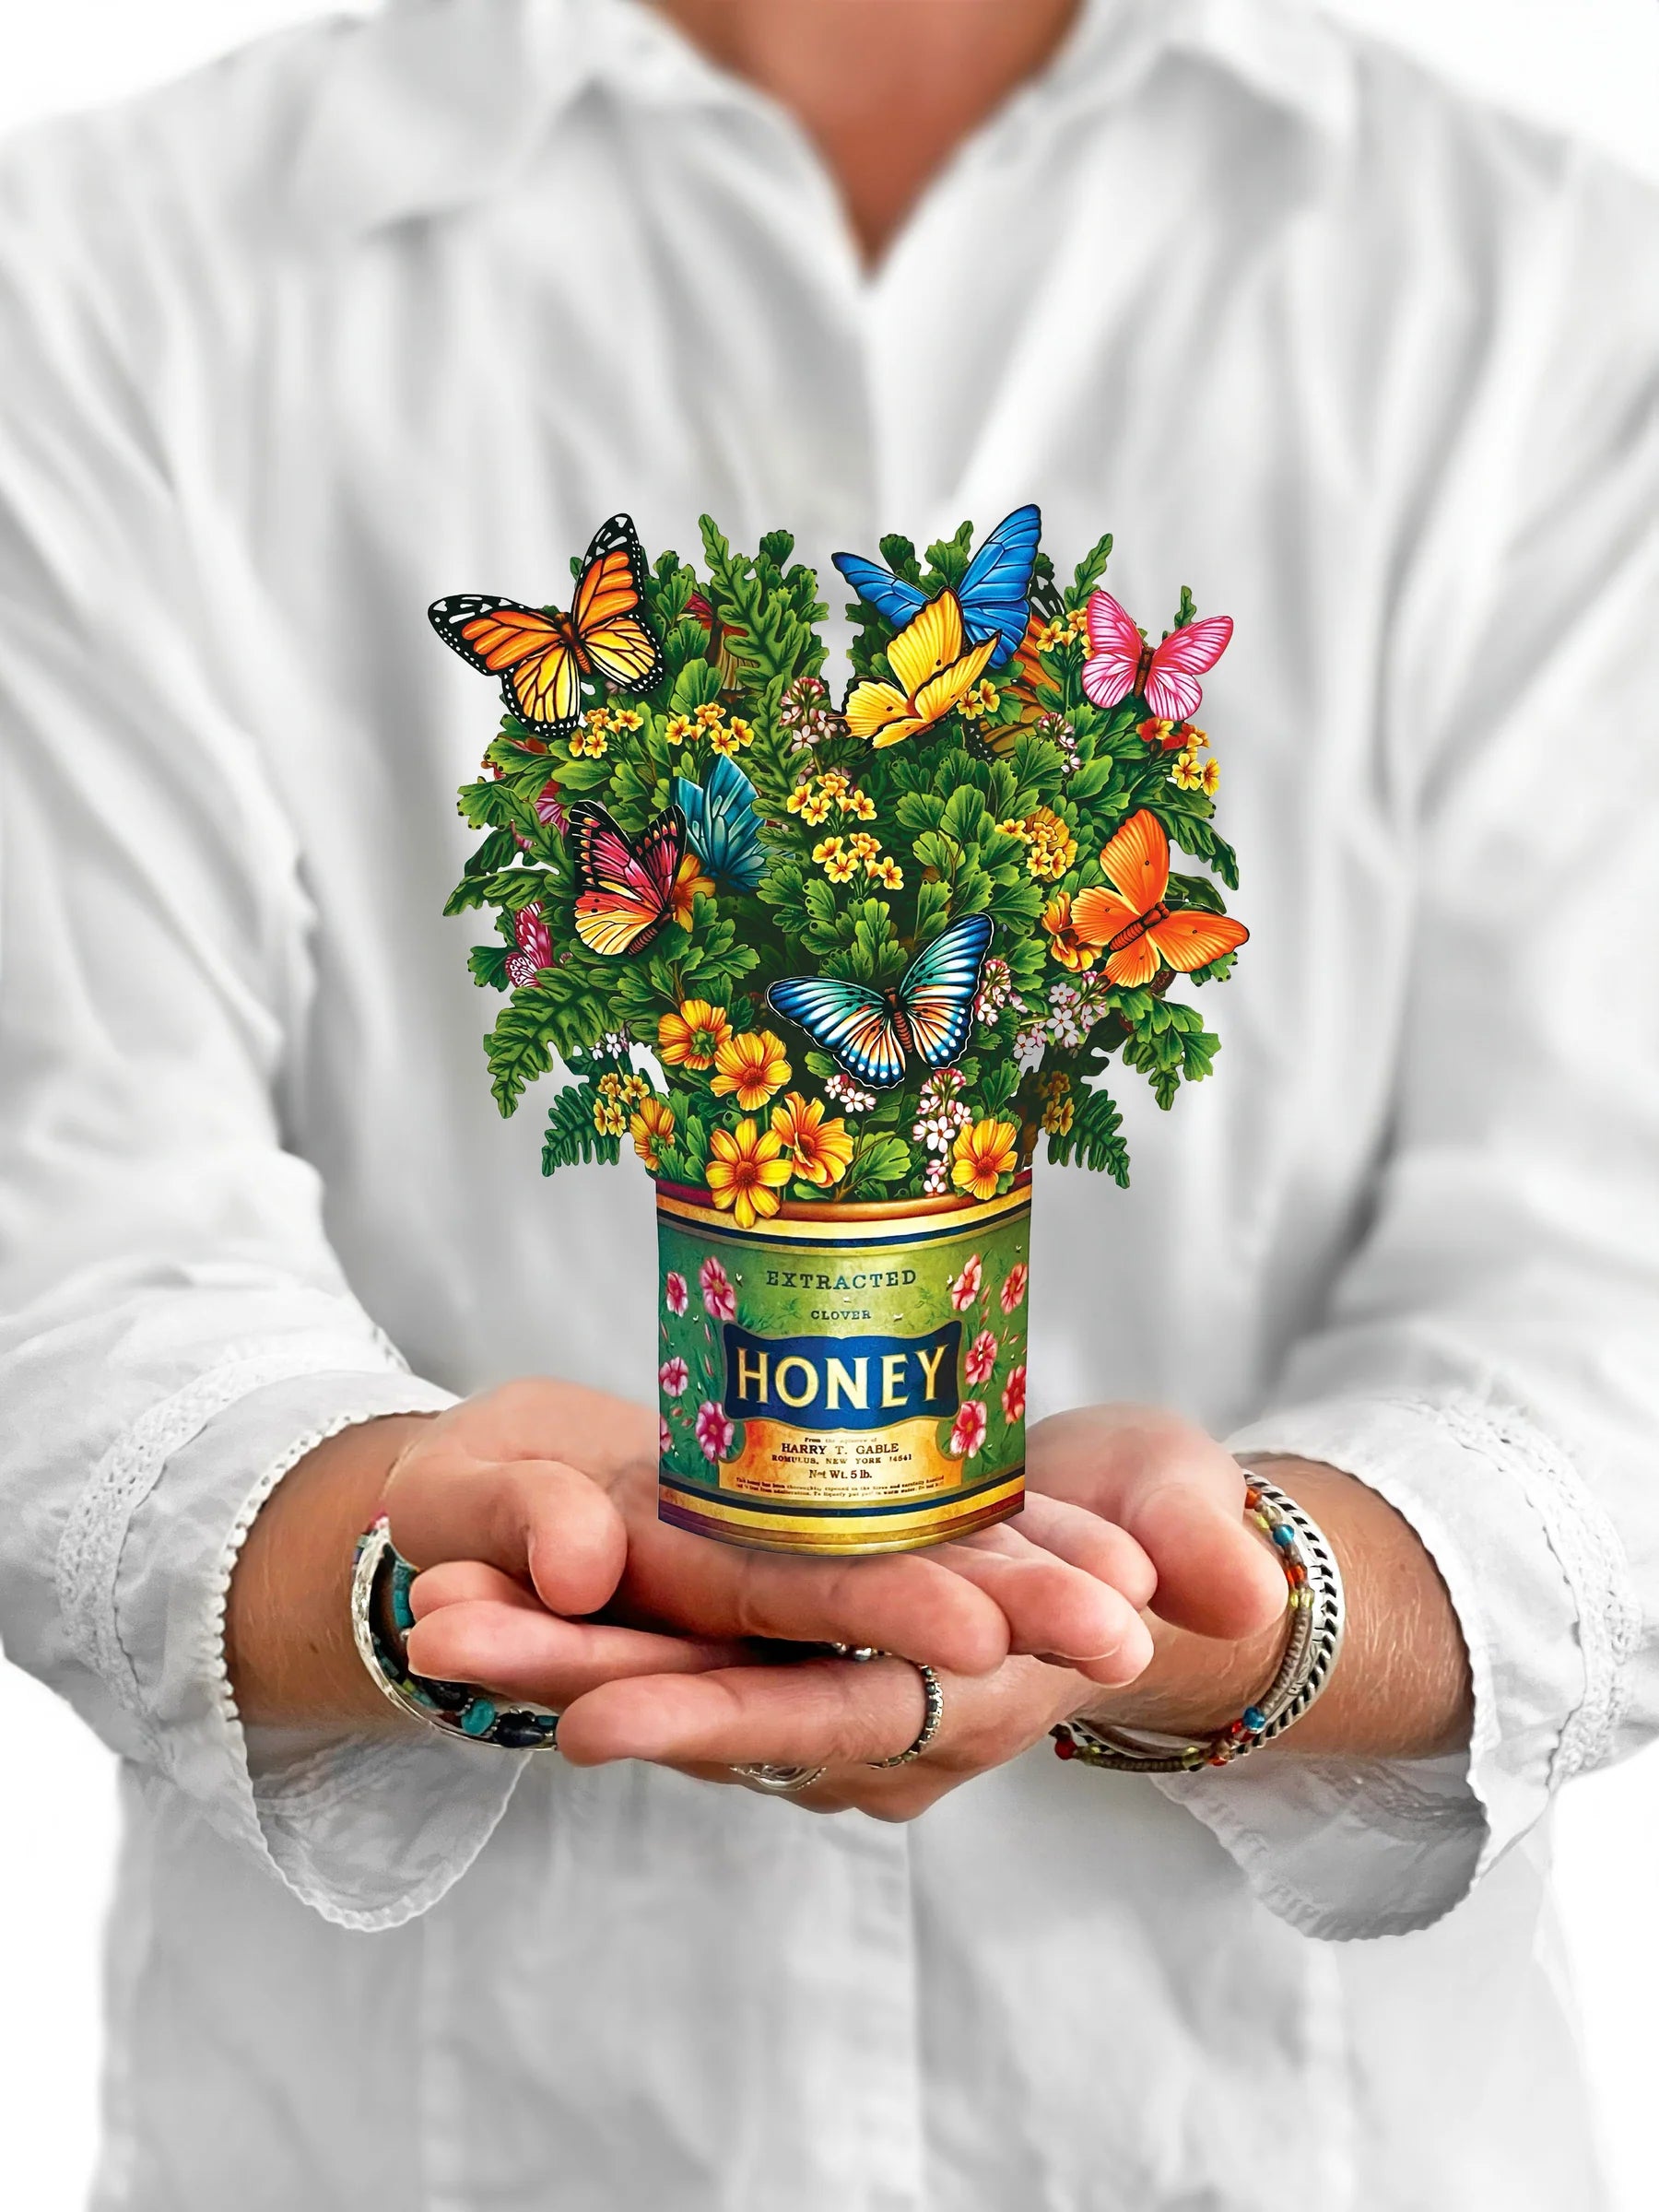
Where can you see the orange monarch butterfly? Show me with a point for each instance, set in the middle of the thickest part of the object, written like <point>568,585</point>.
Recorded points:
<point>1140,932</point>
<point>541,655</point>
<point>628,891</point>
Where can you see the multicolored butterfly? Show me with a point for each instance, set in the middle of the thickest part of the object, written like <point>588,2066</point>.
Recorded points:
<point>935,673</point>
<point>930,1011</point>
<point>1131,920</point>
<point>627,892</point>
<point>542,655</point>
<point>535,946</point>
<point>723,823</point>
<point>1121,663</point>
<point>991,594</point>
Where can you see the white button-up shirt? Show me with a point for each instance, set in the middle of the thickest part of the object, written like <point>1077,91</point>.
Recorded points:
<point>379,311</point>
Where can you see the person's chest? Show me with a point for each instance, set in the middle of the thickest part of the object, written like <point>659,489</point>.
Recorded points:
<point>666,318</point>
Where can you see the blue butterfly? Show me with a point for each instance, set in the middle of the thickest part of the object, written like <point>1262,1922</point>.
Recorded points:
<point>993,593</point>
<point>723,823</point>
<point>870,1031</point>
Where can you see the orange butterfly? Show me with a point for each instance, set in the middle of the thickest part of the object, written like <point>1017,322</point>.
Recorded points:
<point>541,655</point>
<point>629,889</point>
<point>1131,920</point>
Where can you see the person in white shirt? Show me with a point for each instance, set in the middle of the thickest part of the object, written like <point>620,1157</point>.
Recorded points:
<point>382,310</point>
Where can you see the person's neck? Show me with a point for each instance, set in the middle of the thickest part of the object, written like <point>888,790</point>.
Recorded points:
<point>887,89</point>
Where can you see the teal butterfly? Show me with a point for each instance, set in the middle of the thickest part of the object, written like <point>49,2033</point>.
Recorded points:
<point>723,823</point>
<point>929,1011</point>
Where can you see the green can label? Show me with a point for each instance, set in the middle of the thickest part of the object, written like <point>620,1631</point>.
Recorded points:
<point>843,1378</point>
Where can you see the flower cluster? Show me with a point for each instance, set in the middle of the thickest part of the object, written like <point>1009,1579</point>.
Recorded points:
<point>769,833</point>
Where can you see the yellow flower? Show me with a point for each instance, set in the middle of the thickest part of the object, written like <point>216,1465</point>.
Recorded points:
<point>610,1116</point>
<point>833,782</point>
<point>1209,774</point>
<point>1052,634</point>
<point>862,846</point>
<point>742,731</point>
<point>750,1068</point>
<point>840,867</point>
<point>820,1151</point>
<point>746,1171</point>
<point>1188,772</point>
<point>588,741</point>
<point>1197,739</point>
<point>681,729</point>
<point>982,1156</point>
<point>598,718</point>
<point>979,701</point>
<point>1059,1112</point>
<point>827,848</point>
<point>709,713</point>
<point>1076,622</point>
<point>651,1128</point>
<point>886,872</point>
<point>723,741</point>
<point>859,805</point>
<point>691,1036</point>
<point>1065,943</point>
<point>799,798</point>
<point>688,882</point>
<point>815,810</point>
<point>1017,830</point>
<point>634,1092</point>
<point>624,718</point>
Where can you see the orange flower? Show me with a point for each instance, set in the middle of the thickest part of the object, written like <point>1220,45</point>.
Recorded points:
<point>687,884</point>
<point>750,1068</point>
<point>746,1171</point>
<point>983,1155</point>
<point>820,1150</point>
<point>1064,942</point>
<point>691,1036</point>
<point>651,1128</point>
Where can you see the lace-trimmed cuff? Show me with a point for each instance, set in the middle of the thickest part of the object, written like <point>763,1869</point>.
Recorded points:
<point>1543,1595</point>
<point>367,1831</point>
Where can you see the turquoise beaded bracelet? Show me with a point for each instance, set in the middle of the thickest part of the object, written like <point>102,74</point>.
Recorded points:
<point>382,1615</point>
<point>1316,1613</point>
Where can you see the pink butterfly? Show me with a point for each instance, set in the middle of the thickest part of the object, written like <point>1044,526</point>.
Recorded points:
<point>536,946</point>
<point>1121,662</point>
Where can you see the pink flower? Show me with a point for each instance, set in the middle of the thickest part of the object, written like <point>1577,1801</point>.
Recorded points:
<point>714,1432</point>
<point>1014,1395</point>
<point>717,1290</point>
<point>549,810</point>
<point>1013,1290</point>
<point>966,1288</point>
<point>674,1375</point>
<point>982,1357</point>
<point>673,1293</point>
<point>664,1439</point>
<point>968,1432</point>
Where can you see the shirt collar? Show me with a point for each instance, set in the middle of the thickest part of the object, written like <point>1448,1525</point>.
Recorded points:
<point>432,104</point>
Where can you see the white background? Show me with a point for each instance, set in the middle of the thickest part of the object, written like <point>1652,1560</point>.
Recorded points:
<point>1589,65</point>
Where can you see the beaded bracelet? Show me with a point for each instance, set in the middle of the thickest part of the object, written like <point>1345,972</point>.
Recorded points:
<point>1317,1614</point>
<point>381,1617</point>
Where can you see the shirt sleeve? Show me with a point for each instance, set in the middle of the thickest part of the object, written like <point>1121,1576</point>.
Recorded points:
<point>1489,1361</point>
<point>176,1332</point>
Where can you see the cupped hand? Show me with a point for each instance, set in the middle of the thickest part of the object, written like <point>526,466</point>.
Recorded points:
<point>555,1488</point>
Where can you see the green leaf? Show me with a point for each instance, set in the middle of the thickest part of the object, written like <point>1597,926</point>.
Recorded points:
<point>1094,1140</point>
<point>519,1048</point>
<point>880,1162</point>
<point>489,965</point>
<point>1088,572</point>
<point>571,1138</point>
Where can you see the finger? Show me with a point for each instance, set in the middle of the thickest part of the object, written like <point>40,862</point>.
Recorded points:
<point>526,1653</point>
<point>1181,1495</point>
<point>1054,1609</point>
<point>464,1582</point>
<point>535,1519</point>
<point>816,1714</point>
<point>1099,1546</point>
<point>901,1602</point>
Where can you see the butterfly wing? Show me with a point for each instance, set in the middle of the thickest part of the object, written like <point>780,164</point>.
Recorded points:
<point>1136,859</point>
<point>533,653</point>
<point>625,892</point>
<point>1195,937</point>
<point>1173,691</point>
<point>849,1020</point>
<point>1112,667</point>
<point>892,597</point>
<point>607,613</point>
<point>940,986</point>
<point>927,652</point>
<point>723,823</point>
<point>996,589</point>
<point>1133,967</point>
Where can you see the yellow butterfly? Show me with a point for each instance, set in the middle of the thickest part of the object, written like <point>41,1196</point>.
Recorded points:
<point>934,673</point>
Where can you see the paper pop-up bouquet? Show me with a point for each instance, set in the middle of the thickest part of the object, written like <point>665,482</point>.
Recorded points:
<point>834,968</point>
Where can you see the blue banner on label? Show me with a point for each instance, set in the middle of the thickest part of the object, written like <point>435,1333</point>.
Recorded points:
<point>840,1381</point>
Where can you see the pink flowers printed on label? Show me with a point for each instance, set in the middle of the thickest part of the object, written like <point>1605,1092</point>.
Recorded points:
<point>981,1359</point>
<point>1013,1396</point>
<point>968,1430</point>
<point>966,1288</point>
<point>714,1431</point>
<point>717,1293</point>
<point>674,1294</point>
<point>674,1375</point>
<point>1014,1288</point>
<point>664,1437</point>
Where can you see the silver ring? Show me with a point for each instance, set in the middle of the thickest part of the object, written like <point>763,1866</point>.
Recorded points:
<point>781,1782</point>
<point>934,1714</point>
